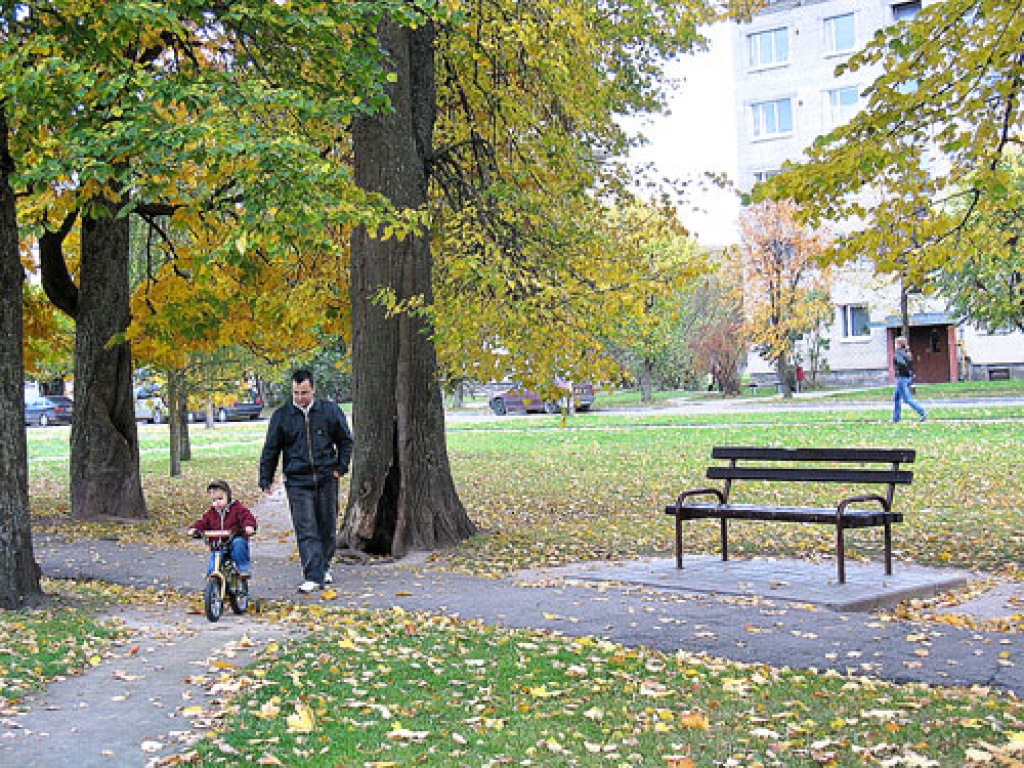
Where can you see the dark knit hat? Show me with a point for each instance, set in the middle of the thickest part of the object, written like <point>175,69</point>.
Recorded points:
<point>220,485</point>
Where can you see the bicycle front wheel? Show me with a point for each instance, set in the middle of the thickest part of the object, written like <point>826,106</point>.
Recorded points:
<point>212,600</point>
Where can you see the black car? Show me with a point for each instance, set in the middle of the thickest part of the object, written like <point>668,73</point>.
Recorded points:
<point>246,408</point>
<point>48,409</point>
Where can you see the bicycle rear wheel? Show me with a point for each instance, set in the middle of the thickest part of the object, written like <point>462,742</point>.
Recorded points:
<point>212,600</point>
<point>238,593</point>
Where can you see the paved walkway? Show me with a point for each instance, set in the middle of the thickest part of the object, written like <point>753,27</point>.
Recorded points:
<point>782,613</point>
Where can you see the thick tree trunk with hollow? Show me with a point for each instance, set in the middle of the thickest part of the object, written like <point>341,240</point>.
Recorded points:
<point>105,479</point>
<point>402,495</point>
<point>19,574</point>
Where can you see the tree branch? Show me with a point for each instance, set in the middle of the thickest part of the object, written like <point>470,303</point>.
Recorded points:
<point>57,282</point>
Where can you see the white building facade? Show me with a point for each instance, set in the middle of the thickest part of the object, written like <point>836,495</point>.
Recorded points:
<point>787,94</point>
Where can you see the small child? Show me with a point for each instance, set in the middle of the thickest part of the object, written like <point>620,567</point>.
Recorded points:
<point>227,515</point>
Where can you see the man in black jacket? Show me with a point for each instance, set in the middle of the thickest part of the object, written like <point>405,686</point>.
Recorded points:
<point>314,438</point>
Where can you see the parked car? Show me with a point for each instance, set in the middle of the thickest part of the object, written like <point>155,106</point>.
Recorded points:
<point>48,409</point>
<point>246,408</point>
<point>519,399</point>
<point>149,406</point>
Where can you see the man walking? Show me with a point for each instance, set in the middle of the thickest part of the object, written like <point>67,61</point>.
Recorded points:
<point>314,438</point>
<point>903,362</point>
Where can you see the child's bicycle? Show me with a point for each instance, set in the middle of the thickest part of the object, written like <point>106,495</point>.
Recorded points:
<point>224,580</point>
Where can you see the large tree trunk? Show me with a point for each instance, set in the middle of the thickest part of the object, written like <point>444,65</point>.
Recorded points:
<point>105,479</point>
<point>402,495</point>
<point>19,574</point>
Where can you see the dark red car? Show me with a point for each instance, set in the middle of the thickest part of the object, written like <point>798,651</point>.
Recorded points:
<point>519,399</point>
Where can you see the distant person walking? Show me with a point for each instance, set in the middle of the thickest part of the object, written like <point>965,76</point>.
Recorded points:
<point>903,362</point>
<point>314,438</point>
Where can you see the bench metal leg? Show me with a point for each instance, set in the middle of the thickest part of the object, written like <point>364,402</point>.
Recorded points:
<point>725,539</point>
<point>679,542</point>
<point>841,554</point>
<point>888,549</point>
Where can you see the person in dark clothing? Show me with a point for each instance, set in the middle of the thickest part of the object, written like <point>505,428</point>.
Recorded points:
<point>903,362</point>
<point>313,437</point>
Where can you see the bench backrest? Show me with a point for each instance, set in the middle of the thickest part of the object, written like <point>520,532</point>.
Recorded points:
<point>768,470</point>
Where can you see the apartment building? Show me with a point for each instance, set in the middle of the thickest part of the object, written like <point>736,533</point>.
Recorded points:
<point>787,94</point>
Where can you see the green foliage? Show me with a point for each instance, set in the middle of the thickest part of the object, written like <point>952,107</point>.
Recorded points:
<point>985,280</point>
<point>534,261</point>
<point>925,159</point>
<point>220,127</point>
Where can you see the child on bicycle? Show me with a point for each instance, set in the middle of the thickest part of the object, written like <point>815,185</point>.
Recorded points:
<point>225,514</point>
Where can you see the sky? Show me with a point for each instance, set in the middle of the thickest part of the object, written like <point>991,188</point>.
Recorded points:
<point>698,135</point>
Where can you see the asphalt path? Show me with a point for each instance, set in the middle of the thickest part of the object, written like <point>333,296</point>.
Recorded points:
<point>746,629</point>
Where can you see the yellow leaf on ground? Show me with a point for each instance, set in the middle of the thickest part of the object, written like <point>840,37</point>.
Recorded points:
<point>268,711</point>
<point>694,720</point>
<point>303,721</point>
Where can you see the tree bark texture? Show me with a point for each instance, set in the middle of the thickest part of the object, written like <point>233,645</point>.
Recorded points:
<point>19,573</point>
<point>647,380</point>
<point>402,496</point>
<point>105,479</point>
<point>177,420</point>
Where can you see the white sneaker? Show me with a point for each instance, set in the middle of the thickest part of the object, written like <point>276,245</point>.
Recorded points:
<point>308,586</point>
<point>328,577</point>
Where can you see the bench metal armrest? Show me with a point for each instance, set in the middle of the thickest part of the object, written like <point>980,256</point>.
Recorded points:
<point>700,492</point>
<point>866,497</point>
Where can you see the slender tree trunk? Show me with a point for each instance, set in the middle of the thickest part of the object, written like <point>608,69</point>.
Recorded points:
<point>105,479</point>
<point>646,381</point>
<point>177,419</point>
<point>19,573</point>
<point>785,373</point>
<point>402,496</point>
<point>185,448</point>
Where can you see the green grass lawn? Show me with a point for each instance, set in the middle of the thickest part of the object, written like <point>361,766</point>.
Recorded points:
<point>37,646</point>
<point>400,689</point>
<point>543,495</point>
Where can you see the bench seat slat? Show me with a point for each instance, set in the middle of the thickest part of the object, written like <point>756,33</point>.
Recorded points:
<point>810,474</point>
<point>852,518</point>
<point>870,455</point>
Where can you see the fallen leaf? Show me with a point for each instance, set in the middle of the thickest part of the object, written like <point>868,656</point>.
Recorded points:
<point>303,721</point>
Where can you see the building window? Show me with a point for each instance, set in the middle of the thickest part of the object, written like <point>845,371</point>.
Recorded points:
<point>760,176</point>
<point>905,11</point>
<point>855,321</point>
<point>841,105</point>
<point>772,118</point>
<point>840,34</point>
<point>768,48</point>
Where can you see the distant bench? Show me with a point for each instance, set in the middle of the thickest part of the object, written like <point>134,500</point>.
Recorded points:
<point>755,385</point>
<point>801,466</point>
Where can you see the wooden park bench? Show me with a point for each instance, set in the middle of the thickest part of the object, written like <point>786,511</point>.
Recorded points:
<point>800,466</point>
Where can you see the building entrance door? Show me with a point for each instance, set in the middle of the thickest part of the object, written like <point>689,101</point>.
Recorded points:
<point>933,363</point>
